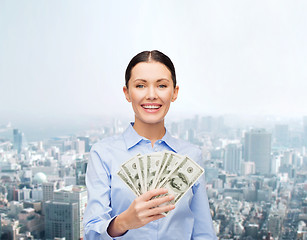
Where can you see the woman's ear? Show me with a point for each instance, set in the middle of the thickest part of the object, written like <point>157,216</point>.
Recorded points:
<point>175,95</point>
<point>126,92</point>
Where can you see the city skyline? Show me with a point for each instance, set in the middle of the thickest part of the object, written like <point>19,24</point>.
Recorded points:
<point>251,195</point>
<point>61,59</point>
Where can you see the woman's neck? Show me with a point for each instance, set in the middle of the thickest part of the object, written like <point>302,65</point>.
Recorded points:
<point>152,132</point>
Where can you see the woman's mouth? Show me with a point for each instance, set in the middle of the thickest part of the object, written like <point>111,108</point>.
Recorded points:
<point>151,107</point>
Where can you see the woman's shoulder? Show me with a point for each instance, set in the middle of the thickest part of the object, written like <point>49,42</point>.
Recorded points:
<point>186,148</point>
<point>109,143</point>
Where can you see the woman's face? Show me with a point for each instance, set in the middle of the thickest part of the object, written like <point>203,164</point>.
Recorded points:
<point>151,91</point>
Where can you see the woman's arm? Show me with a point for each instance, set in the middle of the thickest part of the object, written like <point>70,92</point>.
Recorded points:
<point>203,227</point>
<point>98,182</point>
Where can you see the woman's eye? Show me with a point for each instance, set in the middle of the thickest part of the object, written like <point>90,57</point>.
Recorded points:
<point>139,86</point>
<point>162,86</point>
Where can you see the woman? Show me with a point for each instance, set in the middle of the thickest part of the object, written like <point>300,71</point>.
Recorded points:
<point>113,211</point>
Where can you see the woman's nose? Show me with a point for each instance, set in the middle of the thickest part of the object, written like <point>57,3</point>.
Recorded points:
<point>151,93</point>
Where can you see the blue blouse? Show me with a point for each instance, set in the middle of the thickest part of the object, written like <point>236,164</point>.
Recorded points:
<point>108,196</point>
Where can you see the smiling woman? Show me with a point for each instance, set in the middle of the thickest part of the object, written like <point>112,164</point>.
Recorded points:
<point>151,91</point>
<point>113,210</point>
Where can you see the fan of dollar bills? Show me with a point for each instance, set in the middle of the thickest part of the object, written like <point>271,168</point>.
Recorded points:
<point>176,173</point>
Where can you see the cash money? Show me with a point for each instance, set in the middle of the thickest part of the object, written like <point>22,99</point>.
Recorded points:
<point>131,169</point>
<point>170,164</point>
<point>153,162</point>
<point>142,167</point>
<point>126,180</point>
<point>175,172</point>
<point>179,181</point>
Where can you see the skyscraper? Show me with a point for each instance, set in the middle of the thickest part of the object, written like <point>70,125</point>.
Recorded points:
<point>48,189</point>
<point>257,149</point>
<point>74,194</point>
<point>61,220</point>
<point>87,143</point>
<point>282,135</point>
<point>233,158</point>
<point>81,165</point>
<point>18,140</point>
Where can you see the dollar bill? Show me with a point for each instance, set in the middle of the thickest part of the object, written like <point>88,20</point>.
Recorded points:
<point>178,182</point>
<point>142,170</point>
<point>164,156</point>
<point>153,163</point>
<point>126,180</point>
<point>131,169</point>
<point>170,163</point>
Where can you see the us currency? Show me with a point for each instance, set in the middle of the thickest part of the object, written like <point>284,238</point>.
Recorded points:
<point>169,164</point>
<point>131,169</point>
<point>126,180</point>
<point>142,171</point>
<point>164,157</point>
<point>152,162</point>
<point>182,179</point>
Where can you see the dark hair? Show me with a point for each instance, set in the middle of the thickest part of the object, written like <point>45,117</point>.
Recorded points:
<point>148,56</point>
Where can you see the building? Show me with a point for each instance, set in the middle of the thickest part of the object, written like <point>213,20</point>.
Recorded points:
<point>61,220</point>
<point>233,158</point>
<point>86,142</point>
<point>257,149</point>
<point>48,189</point>
<point>31,221</point>
<point>282,135</point>
<point>275,225</point>
<point>248,168</point>
<point>79,146</point>
<point>211,173</point>
<point>9,228</point>
<point>18,140</point>
<point>74,194</point>
<point>81,165</point>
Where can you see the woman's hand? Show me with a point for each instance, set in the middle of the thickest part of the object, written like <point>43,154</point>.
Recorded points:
<point>142,210</point>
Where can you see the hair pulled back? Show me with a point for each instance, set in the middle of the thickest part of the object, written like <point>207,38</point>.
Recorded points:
<point>150,56</point>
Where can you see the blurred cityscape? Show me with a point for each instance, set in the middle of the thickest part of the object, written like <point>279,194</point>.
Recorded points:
<point>256,174</point>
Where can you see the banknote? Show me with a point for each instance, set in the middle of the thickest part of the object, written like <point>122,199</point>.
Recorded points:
<point>153,162</point>
<point>126,180</point>
<point>169,165</point>
<point>131,169</point>
<point>179,181</point>
<point>163,159</point>
<point>141,168</point>
<point>175,172</point>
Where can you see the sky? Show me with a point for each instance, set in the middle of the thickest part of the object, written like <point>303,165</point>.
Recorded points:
<point>66,59</point>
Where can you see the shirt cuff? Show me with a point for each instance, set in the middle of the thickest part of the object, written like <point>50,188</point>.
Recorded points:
<point>104,233</point>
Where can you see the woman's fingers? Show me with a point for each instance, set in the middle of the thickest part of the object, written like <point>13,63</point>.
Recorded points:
<point>159,210</point>
<point>158,201</point>
<point>152,193</point>
<point>147,207</point>
<point>155,217</point>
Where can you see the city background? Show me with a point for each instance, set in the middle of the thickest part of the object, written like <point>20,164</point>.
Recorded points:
<point>256,174</point>
<point>241,71</point>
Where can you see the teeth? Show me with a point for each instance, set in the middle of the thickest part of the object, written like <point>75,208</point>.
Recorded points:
<point>151,106</point>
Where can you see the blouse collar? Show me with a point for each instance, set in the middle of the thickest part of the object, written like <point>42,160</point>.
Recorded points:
<point>132,138</point>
